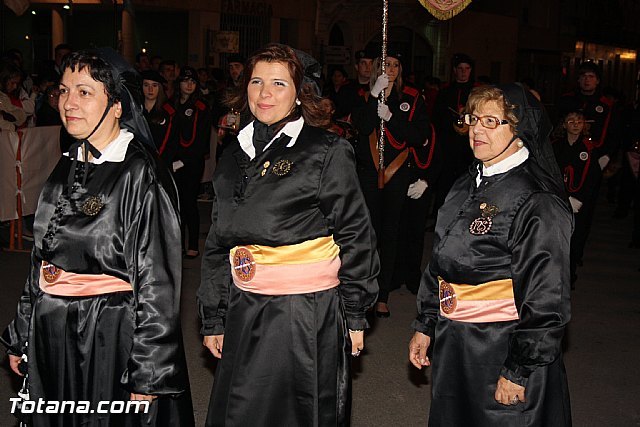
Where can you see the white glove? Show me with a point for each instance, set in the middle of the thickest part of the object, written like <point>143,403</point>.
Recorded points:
<point>416,190</point>
<point>384,113</point>
<point>603,161</point>
<point>381,84</point>
<point>177,165</point>
<point>575,204</point>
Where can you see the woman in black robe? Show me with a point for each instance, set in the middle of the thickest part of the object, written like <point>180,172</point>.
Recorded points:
<point>99,316</point>
<point>494,301</point>
<point>290,266</point>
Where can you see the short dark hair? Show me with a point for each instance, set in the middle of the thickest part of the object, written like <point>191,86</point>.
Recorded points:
<point>8,70</point>
<point>98,69</point>
<point>63,46</point>
<point>309,107</point>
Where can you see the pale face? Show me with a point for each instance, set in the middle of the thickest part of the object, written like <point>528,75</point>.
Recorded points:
<point>271,92</point>
<point>392,68</point>
<point>574,124</point>
<point>150,89</point>
<point>338,78</point>
<point>187,87</point>
<point>327,106</point>
<point>487,144</point>
<point>363,68</point>
<point>13,83</point>
<point>82,103</point>
<point>588,83</point>
<point>169,72</point>
<point>462,72</point>
<point>235,70</point>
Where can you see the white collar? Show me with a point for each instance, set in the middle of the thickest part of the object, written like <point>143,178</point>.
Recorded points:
<point>114,152</point>
<point>516,159</point>
<point>291,129</point>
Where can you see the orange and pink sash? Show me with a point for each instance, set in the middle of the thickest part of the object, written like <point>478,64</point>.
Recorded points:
<point>310,266</point>
<point>56,281</point>
<point>486,302</point>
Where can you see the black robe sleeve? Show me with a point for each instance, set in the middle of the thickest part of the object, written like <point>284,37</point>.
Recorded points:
<point>540,272</point>
<point>213,293</point>
<point>15,336</point>
<point>342,203</point>
<point>156,365</point>
<point>428,304</point>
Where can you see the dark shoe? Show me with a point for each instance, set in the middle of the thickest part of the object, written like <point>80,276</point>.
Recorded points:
<point>382,314</point>
<point>191,254</point>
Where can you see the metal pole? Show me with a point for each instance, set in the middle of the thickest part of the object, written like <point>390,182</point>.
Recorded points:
<point>383,94</point>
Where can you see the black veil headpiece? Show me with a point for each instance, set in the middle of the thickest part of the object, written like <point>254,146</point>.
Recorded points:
<point>534,128</point>
<point>312,70</point>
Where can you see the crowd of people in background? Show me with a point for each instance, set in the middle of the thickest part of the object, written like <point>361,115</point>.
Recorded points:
<point>597,134</point>
<point>431,168</point>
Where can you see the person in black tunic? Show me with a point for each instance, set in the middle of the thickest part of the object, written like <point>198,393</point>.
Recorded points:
<point>575,156</point>
<point>290,266</point>
<point>494,302</point>
<point>188,145</point>
<point>406,131</point>
<point>157,111</point>
<point>99,318</point>
<point>453,155</point>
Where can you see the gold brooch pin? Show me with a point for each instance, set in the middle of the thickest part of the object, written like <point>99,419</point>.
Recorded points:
<point>92,206</point>
<point>265,166</point>
<point>482,225</point>
<point>282,167</point>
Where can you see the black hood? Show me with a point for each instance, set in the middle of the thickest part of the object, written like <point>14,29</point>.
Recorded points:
<point>533,128</point>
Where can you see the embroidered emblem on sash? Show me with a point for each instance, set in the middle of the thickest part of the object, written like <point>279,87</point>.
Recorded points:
<point>483,224</point>
<point>405,106</point>
<point>282,167</point>
<point>244,265</point>
<point>50,272</point>
<point>92,206</point>
<point>584,156</point>
<point>448,301</point>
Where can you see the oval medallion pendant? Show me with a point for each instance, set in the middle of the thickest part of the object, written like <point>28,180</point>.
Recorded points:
<point>448,302</point>
<point>244,265</point>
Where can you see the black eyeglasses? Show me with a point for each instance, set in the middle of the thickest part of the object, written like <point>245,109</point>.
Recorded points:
<point>490,122</point>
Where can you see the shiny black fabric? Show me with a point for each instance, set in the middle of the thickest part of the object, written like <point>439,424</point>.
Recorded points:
<point>289,357</point>
<point>319,197</point>
<point>134,237</point>
<point>529,243</point>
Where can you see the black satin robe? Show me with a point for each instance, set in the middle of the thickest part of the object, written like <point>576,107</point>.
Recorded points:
<point>528,243</point>
<point>108,346</point>
<point>285,358</point>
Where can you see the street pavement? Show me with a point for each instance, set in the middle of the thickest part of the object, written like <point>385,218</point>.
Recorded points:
<point>602,343</point>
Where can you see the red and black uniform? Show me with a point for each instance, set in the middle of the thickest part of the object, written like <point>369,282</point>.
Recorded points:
<point>161,125</point>
<point>582,176</point>
<point>189,143</point>
<point>454,154</point>
<point>600,113</point>
<point>405,155</point>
